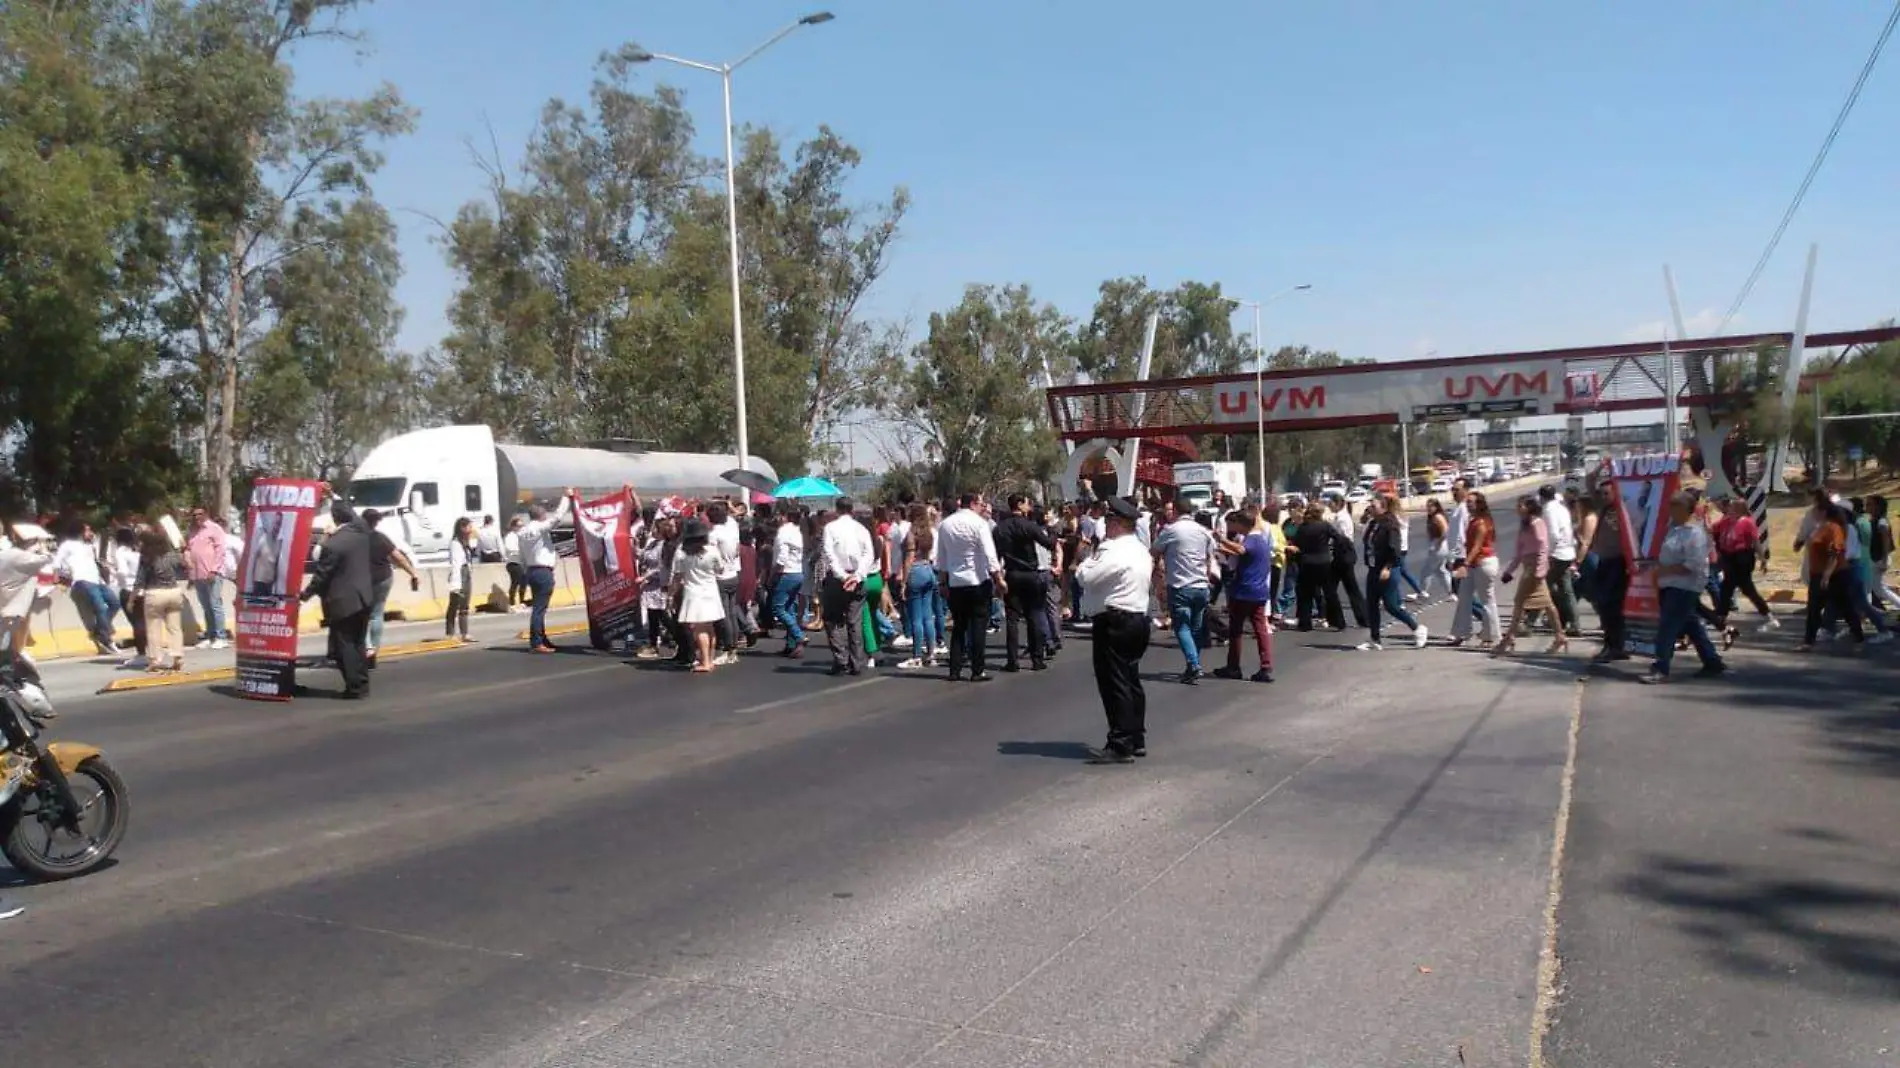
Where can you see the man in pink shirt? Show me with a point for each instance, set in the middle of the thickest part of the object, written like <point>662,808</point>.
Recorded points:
<point>205,557</point>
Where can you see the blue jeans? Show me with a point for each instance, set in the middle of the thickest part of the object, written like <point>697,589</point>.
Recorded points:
<point>211,605</point>
<point>941,606</point>
<point>540,592</point>
<point>785,607</point>
<point>1677,617</point>
<point>1384,593</point>
<point>1402,573</point>
<point>1187,607</point>
<point>104,606</point>
<point>1287,600</point>
<point>381,593</point>
<point>920,610</point>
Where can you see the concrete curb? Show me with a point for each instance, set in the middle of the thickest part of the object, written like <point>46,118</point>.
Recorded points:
<point>198,678</point>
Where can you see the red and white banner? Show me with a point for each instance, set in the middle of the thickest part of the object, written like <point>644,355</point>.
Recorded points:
<point>1643,485</point>
<point>270,580</point>
<point>1416,394</point>
<point>609,568</point>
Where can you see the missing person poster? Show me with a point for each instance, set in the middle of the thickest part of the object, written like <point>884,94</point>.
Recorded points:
<point>1643,486</point>
<point>603,538</point>
<point>270,578</point>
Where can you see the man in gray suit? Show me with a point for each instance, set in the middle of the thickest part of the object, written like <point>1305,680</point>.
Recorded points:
<point>342,578</point>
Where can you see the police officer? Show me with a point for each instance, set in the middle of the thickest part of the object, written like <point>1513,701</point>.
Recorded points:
<point>1115,582</point>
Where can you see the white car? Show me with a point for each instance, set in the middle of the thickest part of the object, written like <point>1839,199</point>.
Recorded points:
<point>1359,495</point>
<point>1333,487</point>
<point>1441,484</point>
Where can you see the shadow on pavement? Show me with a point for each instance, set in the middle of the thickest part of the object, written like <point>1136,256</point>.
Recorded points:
<point>1850,701</point>
<point>1051,750</point>
<point>1817,932</point>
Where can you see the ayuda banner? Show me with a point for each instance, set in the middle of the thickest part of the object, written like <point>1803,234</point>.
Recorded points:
<point>1644,485</point>
<point>270,578</point>
<point>609,572</point>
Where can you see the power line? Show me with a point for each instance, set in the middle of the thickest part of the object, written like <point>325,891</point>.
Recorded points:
<point>1813,169</point>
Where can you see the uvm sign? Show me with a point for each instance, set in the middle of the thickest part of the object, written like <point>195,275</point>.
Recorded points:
<point>1408,394</point>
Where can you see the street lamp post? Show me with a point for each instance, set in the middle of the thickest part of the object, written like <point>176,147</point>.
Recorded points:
<point>724,70</point>
<point>1259,379</point>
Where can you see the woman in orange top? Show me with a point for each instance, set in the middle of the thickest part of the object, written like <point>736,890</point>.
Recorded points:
<point>1479,571</point>
<point>1828,583</point>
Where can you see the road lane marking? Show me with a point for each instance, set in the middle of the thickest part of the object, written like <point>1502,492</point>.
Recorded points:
<point>767,706</point>
<point>1548,965</point>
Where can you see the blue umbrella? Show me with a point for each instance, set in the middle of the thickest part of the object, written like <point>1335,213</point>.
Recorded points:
<point>809,486</point>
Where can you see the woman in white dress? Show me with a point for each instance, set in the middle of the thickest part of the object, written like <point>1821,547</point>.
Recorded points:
<point>696,581</point>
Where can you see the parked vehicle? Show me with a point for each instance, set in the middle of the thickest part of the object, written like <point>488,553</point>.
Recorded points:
<point>1195,483</point>
<point>433,477</point>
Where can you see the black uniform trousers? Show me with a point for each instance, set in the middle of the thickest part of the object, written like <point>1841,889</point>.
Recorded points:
<point>1028,601</point>
<point>1120,639</point>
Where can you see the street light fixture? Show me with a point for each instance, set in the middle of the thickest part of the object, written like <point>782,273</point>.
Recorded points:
<point>724,70</point>
<point>1259,371</point>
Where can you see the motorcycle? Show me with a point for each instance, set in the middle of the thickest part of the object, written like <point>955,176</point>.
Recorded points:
<point>63,807</point>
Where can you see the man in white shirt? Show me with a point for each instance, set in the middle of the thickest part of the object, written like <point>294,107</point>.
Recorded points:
<point>894,577</point>
<point>1563,558</point>
<point>488,541</point>
<point>539,559</point>
<point>788,563</point>
<point>75,565</point>
<point>1183,553</point>
<point>1115,584</point>
<point>850,558</point>
<point>1456,525</point>
<point>971,574</point>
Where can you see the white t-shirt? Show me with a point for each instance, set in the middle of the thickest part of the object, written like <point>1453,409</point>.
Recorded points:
<point>894,538</point>
<point>1563,536</point>
<point>233,552</point>
<point>788,549</point>
<point>73,561</point>
<point>725,539</point>
<point>511,547</point>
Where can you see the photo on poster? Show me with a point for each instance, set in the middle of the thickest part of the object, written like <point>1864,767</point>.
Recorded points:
<point>597,544</point>
<point>267,563</point>
<point>1640,508</point>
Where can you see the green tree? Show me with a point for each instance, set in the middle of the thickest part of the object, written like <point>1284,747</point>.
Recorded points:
<point>88,422</point>
<point>237,156</point>
<point>963,390</point>
<point>331,353</point>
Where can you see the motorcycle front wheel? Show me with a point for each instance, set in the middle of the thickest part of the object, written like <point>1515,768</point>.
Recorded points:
<point>40,845</point>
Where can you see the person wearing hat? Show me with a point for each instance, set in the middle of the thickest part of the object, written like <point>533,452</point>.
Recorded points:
<point>1115,581</point>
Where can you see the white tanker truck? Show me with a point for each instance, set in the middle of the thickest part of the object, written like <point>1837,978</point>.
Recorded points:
<point>433,477</point>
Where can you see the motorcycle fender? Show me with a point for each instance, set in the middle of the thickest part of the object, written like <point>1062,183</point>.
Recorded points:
<point>69,755</point>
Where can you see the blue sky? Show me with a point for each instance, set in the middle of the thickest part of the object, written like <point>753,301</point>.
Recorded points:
<point>1453,177</point>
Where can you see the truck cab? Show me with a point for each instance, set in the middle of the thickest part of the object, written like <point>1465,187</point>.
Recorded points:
<point>429,479</point>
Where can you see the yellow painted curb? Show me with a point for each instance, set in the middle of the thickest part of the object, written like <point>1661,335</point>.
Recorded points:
<point>194,678</point>
<point>557,631</point>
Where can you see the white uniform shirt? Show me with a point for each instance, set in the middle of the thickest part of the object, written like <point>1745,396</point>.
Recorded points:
<point>1563,536</point>
<point>849,552</point>
<point>725,541</point>
<point>537,546</point>
<point>511,547</point>
<point>894,540</point>
<point>788,549</point>
<point>1116,576</point>
<point>966,549</point>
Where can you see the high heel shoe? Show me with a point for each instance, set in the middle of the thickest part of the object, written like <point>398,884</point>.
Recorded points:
<point>1558,647</point>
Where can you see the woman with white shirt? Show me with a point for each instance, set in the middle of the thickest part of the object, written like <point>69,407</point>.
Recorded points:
<point>696,588</point>
<point>462,553</point>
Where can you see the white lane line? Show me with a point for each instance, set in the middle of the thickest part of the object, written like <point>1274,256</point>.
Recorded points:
<point>1548,966</point>
<point>767,706</point>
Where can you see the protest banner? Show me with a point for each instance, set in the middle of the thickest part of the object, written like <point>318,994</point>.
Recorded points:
<point>270,578</point>
<point>609,569</point>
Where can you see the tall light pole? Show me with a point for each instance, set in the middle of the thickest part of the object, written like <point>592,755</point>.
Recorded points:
<point>1259,380</point>
<point>724,70</point>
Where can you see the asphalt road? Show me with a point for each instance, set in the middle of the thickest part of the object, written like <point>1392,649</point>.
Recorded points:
<point>508,860</point>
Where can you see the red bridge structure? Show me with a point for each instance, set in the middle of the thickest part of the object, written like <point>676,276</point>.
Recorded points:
<point>1714,378</point>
